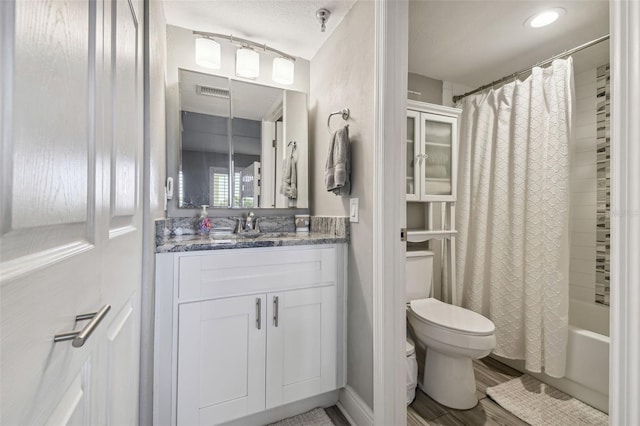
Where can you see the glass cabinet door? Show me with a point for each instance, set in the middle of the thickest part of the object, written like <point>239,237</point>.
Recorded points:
<point>413,156</point>
<point>438,157</point>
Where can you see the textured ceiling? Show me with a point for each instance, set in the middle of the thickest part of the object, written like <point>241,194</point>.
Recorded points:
<point>287,25</point>
<point>470,42</point>
<point>476,42</point>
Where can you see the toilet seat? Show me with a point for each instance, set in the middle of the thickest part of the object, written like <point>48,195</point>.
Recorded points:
<point>451,318</point>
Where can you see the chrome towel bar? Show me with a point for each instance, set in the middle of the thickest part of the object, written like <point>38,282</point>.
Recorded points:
<point>345,116</point>
<point>79,337</point>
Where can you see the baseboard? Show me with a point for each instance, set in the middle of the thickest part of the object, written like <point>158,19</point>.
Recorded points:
<point>354,408</point>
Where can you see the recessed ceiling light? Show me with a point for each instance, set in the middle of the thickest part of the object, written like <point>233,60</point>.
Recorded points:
<point>544,18</point>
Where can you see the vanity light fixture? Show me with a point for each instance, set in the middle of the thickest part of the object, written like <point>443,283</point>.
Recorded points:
<point>247,63</point>
<point>207,53</point>
<point>247,57</point>
<point>545,18</point>
<point>283,71</point>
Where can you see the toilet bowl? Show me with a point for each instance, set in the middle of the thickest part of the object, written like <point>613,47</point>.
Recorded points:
<point>453,337</point>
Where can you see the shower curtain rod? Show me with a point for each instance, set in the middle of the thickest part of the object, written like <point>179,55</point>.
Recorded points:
<point>539,64</point>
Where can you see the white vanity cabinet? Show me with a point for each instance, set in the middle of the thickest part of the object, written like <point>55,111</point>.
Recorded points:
<point>432,149</point>
<point>241,331</point>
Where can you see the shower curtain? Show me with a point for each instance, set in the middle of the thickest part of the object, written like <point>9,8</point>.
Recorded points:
<point>513,214</point>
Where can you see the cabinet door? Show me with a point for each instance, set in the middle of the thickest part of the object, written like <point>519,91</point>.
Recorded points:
<point>438,170</point>
<point>221,368</point>
<point>413,156</point>
<point>301,344</point>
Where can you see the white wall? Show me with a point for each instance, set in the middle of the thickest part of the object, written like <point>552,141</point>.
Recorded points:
<point>342,76</point>
<point>582,285</point>
<point>451,89</point>
<point>429,89</point>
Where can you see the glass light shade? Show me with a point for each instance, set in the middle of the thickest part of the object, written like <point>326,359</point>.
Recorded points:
<point>247,63</point>
<point>207,53</point>
<point>283,71</point>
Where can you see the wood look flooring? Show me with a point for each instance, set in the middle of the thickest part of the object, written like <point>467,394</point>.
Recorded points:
<point>424,411</point>
<point>336,416</point>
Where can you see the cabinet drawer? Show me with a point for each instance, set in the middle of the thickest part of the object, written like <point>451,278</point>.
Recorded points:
<point>245,271</point>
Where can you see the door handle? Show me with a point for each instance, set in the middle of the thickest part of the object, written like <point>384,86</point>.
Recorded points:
<point>275,311</point>
<point>80,337</point>
<point>258,313</point>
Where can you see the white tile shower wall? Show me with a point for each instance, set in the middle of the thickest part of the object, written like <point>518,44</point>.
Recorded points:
<point>583,190</point>
<point>584,312</point>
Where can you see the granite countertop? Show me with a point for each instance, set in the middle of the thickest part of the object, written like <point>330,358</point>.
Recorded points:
<point>183,243</point>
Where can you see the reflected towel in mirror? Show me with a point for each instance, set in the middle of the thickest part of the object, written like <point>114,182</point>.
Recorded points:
<point>290,172</point>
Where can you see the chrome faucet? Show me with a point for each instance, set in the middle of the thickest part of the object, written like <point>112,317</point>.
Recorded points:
<point>239,227</point>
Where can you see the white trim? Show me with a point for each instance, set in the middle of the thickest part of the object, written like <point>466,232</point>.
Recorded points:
<point>356,411</point>
<point>624,387</point>
<point>389,211</point>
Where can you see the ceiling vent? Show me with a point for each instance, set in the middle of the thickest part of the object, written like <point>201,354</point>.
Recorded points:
<point>215,92</point>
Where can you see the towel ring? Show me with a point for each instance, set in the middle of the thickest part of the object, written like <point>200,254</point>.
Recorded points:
<point>345,116</point>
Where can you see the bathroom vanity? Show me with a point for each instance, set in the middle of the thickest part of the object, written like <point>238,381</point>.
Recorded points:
<point>243,325</point>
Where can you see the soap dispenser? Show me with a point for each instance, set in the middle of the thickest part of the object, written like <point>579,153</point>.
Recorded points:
<point>203,225</point>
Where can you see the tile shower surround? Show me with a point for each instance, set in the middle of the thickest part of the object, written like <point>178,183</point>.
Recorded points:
<point>603,164</point>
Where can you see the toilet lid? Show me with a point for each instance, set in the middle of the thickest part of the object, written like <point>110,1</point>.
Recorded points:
<point>452,317</point>
<point>410,347</point>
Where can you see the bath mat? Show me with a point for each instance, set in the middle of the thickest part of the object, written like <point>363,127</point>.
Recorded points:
<point>540,404</point>
<point>315,417</point>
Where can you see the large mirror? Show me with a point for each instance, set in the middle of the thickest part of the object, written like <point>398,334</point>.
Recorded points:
<point>242,145</point>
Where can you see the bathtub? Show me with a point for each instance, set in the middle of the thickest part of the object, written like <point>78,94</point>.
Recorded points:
<point>587,375</point>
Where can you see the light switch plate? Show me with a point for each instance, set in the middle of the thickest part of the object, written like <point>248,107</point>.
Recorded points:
<point>354,207</point>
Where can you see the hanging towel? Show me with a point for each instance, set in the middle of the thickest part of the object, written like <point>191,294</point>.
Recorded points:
<point>290,172</point>
<point>337,170</point>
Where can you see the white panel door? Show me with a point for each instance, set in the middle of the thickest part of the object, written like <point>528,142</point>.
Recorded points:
<point>221,367</point>
<point>70,239</point>
<point>301,344</point>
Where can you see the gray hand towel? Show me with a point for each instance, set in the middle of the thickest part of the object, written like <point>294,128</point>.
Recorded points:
<point>337,169</point>
<point>290,173</point>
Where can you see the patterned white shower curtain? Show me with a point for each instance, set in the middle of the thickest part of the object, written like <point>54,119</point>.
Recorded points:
<point>513,214</point>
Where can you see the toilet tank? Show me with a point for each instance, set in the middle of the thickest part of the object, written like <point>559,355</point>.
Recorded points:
<point>419,274</point>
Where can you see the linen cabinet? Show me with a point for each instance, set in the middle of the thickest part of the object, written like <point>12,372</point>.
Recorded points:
<point>432,149</point>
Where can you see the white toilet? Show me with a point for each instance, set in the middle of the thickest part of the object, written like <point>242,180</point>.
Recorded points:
<point>453,337</point>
